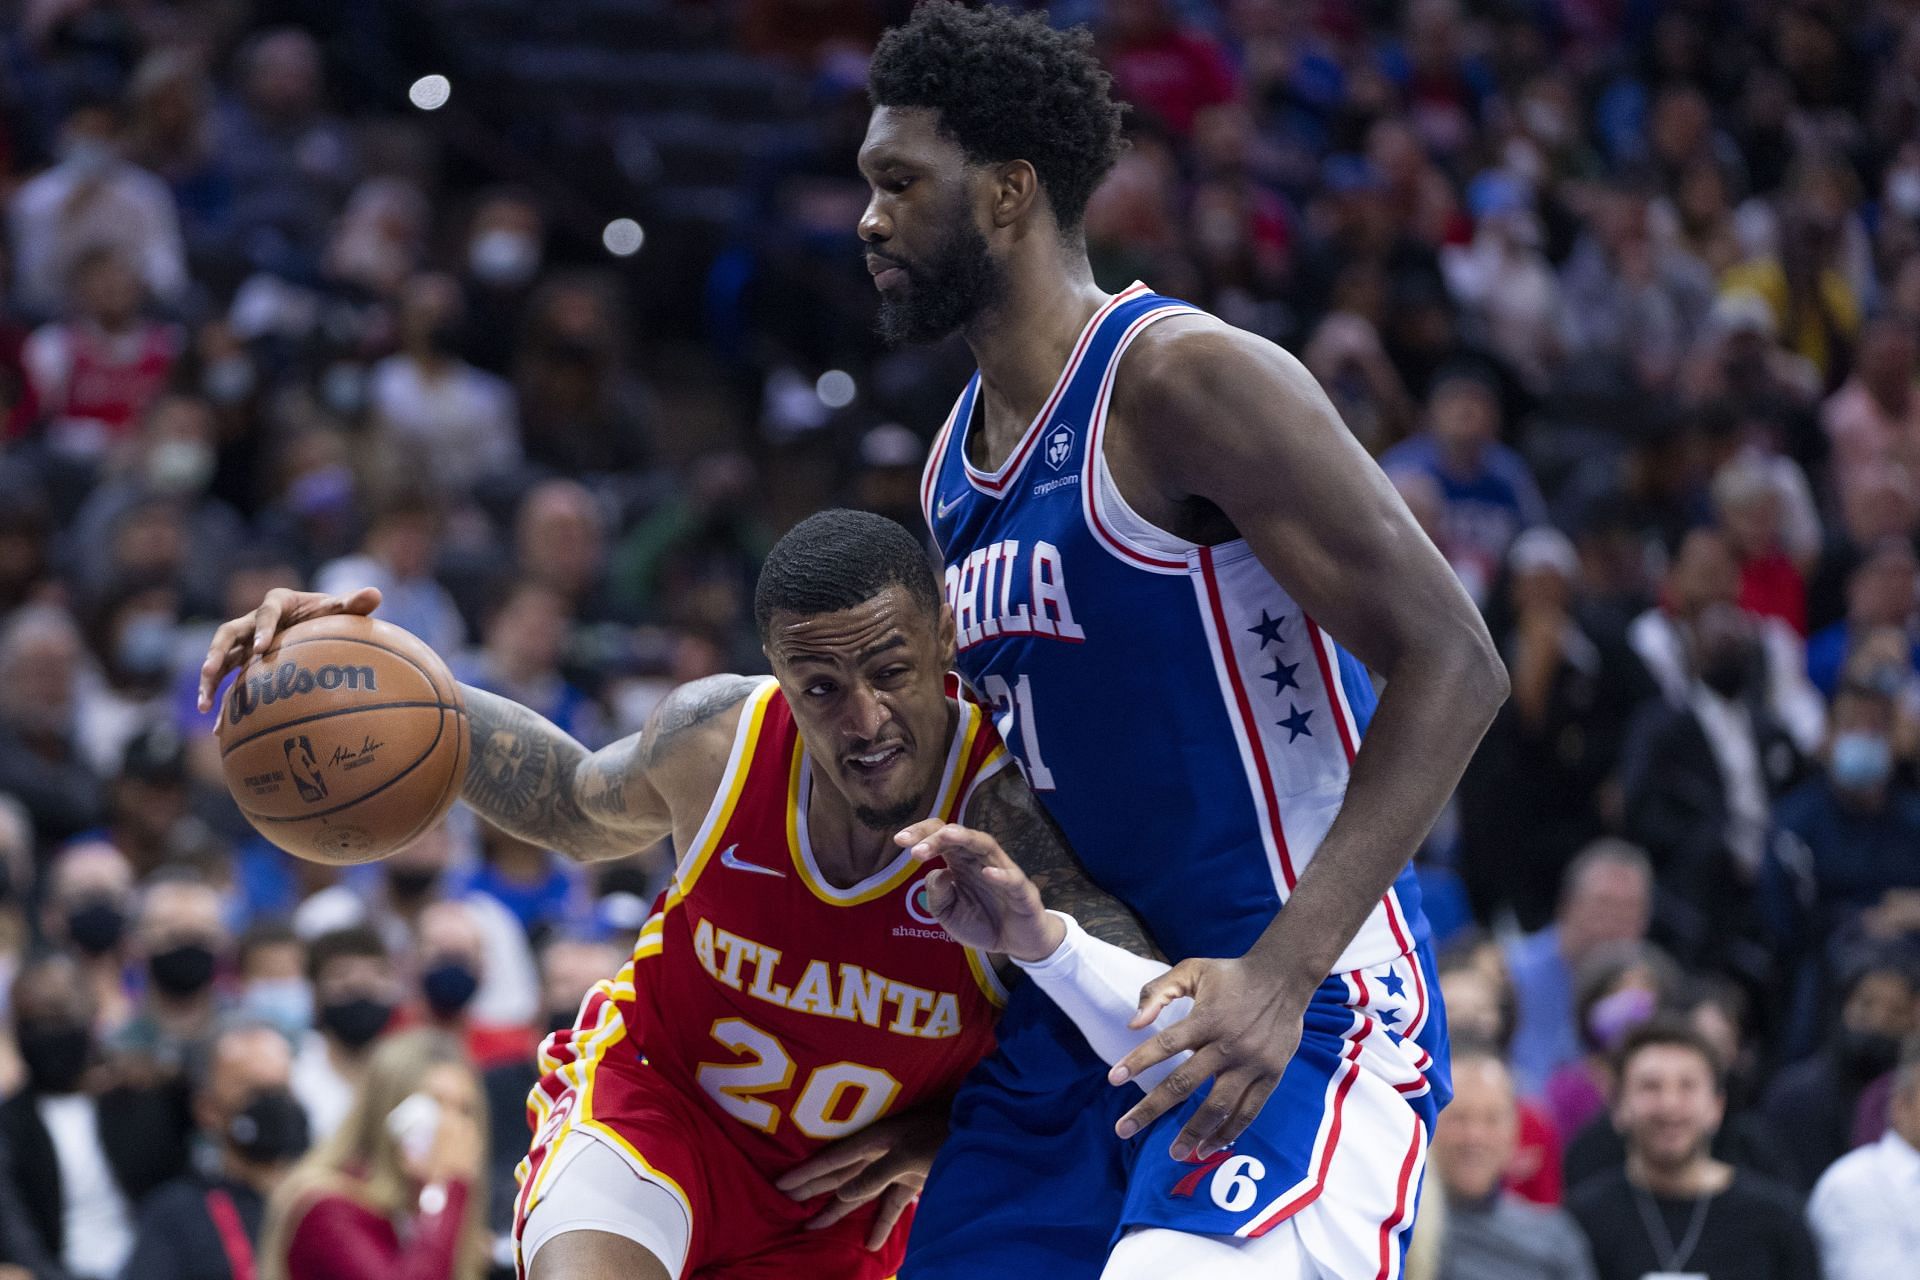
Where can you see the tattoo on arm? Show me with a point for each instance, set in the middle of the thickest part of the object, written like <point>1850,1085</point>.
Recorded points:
<point>689,706</point>
<point>1007,810</point>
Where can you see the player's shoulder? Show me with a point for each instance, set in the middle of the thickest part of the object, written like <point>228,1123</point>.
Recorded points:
<point>1192,369</point>
<point>692,729</point>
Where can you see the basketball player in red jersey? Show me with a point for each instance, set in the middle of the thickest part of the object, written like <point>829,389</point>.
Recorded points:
<point>794,986</point>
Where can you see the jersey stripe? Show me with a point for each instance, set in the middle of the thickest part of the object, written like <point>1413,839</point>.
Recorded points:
<point>930,477</point>
<point>1089,497</point>
<point>1245,732</point>
<point>1336,695</point>
<point>745,740</point>
<point>996,483</point>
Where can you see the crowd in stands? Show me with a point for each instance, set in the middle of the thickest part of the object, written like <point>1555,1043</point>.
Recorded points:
<point>1624,295</point>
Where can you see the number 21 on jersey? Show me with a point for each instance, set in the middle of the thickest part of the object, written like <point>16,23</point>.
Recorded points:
<point>1013,707</point>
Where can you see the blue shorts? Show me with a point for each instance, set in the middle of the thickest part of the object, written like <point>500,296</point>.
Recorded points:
<point>1033,1182</point>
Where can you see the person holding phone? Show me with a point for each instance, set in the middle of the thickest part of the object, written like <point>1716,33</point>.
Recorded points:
<point>398,1192</point>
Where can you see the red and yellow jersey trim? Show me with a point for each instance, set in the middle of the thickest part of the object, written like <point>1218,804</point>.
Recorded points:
<point>726,798</point>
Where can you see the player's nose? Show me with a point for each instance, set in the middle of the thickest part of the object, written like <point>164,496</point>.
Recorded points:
<point>867,715</point>
<point>874,226</point>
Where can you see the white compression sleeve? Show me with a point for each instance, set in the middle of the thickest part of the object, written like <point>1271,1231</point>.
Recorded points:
<point>1098,985</point>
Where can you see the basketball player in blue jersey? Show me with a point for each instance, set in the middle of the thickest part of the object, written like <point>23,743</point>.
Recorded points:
<point>1171,569</point>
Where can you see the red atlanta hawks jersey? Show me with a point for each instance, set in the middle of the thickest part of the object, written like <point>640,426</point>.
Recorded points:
<point>794,1011</point>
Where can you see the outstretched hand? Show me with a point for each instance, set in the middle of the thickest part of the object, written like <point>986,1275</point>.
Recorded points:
<point>886,1161</point>
<point>252,633</point>
<point>1242,1031</point>
<point>981,896</point>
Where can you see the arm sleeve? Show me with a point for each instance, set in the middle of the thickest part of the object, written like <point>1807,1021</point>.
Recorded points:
<point>340,1240</point>
<point>1098,986</point>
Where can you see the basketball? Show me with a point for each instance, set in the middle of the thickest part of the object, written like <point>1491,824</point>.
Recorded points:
<point>344,741</point>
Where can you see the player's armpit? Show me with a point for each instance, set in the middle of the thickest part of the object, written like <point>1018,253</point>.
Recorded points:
<point>1005,808</point>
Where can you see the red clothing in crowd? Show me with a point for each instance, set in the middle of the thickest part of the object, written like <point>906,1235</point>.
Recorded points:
<point>1771,587</point>
<point>1536,1174</point>
<point>1173,74</point>
<point>339,1238</point>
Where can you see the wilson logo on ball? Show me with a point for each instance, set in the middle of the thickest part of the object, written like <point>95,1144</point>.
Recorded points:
<point>291,680</point>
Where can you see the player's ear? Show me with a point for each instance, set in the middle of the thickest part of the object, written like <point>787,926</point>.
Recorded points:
<point>946,635</point>
<point>1015,190</point>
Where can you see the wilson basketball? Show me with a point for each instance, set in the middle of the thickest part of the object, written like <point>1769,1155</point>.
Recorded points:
<point>345,741</point>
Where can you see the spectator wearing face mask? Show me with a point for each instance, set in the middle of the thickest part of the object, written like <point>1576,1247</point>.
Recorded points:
<point>505,244</point>
<point>41,660</point>
<point>270,962</point>
<point>451,955</point>
<point>205,1226</point>
<point>1619,987</point>
<point>1842,858</point>
<point>355,991</point>
<point>84,1151</point>
<point>1699,780</point>
<point>1882,591</point>
<point>88,904</point>
<point>1815,1100</point>
<point>183,939</point>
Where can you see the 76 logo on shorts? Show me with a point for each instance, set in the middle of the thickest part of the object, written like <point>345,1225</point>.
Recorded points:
<point>1235,1183</point>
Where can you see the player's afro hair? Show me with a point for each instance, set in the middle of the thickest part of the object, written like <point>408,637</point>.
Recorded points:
<point>1007,87</point>
<point>838,559</point>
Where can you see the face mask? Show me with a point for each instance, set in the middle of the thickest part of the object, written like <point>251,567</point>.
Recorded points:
<point>184,970</point>
<point>180,467</point>
<point>410,882</point>
<point>449,986</point>
<point>355,1023</point>
<point>1727,674</point>
<point>272,1129</point>
<point>1860,761</point>
<point>146,646</point>
<point>1869,1053</point>
<point>228,380</point>
<point>55,1057</point>
<point>96,927</point>
<point>504,259</point>
<point>285,1003</point>
<point>1609,1021</point>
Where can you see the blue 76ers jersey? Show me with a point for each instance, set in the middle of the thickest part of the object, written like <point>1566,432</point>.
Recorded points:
<point>1186,723</point>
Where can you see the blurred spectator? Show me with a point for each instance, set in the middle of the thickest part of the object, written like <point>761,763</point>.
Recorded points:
<point>291,163</point>
<point>1876,506</point>
<point>398,557</point>
<point>700,549</point>
<point>1490,496</point>
<point>1700,780</point>
<point>450,421</point>
<point>95,373</point>
<point>1874,418</point>
<point>93,202</point>
<point>1672,1207</point>
<point>1814,1100</point>
<point>539,887</point>
<point>355,992</point>
<point>85,1151</point>
<point>581,410</point>
<point>1481,1009</point>
<point>560,542</point>
<point>183,939</point>
<point>450,964</point>
<point>1606,897</point>
<point>1865,1211</point>
<point>527,631</point>
<point>170,99</point>
<point>1618,988</point>
<point>1815,308</point>
<point>1574,690</point>
<point>1166,70</point>
<point>1491,1233</point>
<point>206,1225</point>
<point>1883,591</point>
<point>88,904</point>
<point>506,244</point>
<point>1748,508</point>
<point>1631,304</point>
<point>41,661</point>
<point>1503,278</point>
<point>150,818</point>
<point>373,1201</point>
<point>270,962</point>
<point>1842,856</point>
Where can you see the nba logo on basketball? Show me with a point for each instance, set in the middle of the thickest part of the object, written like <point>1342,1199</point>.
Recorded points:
<point>1059,445</point>
<point>304,765</point>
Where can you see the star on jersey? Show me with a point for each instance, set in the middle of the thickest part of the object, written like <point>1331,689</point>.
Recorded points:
<point>1395,984</point>
<point>1296,724</point>
<point>1268,628</point>
<point>1282,676</point>
<point>1389,1016</point>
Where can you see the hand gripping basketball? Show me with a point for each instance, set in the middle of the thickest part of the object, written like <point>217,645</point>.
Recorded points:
<point>252,633</point>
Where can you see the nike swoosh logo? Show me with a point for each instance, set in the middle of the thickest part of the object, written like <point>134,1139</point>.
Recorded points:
<point>945,505</point>
<point>730,858</point>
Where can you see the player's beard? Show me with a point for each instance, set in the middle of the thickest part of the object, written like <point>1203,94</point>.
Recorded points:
<point>945,290</point>
<point>891,818</point>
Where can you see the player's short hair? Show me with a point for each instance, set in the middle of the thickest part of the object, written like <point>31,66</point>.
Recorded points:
<point>1669,1032</point>
<point>353,942</point>
<point>1007,87</point>
<point>838,559</point>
